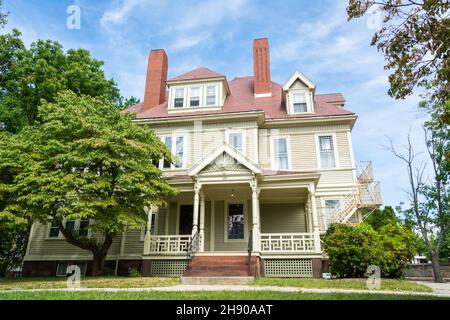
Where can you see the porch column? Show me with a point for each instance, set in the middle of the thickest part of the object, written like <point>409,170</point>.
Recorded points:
<point>315,221</point>
<point>202,223</point>
<point>195,218</point>
<point>147,237</point>
<point>255,218</point>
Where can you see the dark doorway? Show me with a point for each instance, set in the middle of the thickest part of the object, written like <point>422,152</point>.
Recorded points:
<point>186,216</point>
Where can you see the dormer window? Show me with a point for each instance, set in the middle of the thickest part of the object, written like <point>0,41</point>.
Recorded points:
<point>211,95</point>
<point>299,102</point>
<point>179,98</point>
<point>194,100</point>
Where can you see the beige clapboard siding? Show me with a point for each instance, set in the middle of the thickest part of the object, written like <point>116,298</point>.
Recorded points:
<point>303,152</point>
<point>134,244</point>
<point>343,149</point>
<point>282,218</point>
<point>41,245</point>
<point>161,222</point>
<point>220,243</point>
<point>173,228</point>
<point>344,176</point>
<point>320,213</point>
<point>264,148</point>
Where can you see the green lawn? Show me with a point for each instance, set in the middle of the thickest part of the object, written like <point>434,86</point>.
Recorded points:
<point>203,295</point>
<point>86,282</point>
<point>386,284</point>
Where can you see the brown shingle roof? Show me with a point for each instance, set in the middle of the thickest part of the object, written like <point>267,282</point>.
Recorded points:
<point>242,99</point>
<point>199,73</point>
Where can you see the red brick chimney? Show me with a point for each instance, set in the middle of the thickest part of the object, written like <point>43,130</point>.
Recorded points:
<point>261,64</point>
<point>155,87</point>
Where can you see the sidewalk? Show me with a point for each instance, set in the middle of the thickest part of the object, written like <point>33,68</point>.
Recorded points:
<point>440,288</point>
<point>439,292</point>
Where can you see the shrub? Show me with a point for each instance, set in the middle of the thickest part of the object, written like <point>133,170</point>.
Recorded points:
<point>134,273</point>
<point>352,249</point>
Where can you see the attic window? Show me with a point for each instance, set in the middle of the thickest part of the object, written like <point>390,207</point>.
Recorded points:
<point>211,95</point>
<point>179,98</point>
<point>195,97</point>
<point>299,102</point>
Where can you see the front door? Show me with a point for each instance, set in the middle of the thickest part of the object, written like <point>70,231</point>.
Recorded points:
<point>186,217</point>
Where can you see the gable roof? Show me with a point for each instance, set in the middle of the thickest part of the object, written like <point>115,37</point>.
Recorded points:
<point>242,99</point>
<point>232,152</point>
<point>199,73</point>
<point>299,76</point>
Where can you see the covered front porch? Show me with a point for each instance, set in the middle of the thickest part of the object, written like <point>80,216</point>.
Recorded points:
<point>236,217</point>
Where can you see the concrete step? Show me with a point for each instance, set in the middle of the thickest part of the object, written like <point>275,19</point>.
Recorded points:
<point>212,280</point>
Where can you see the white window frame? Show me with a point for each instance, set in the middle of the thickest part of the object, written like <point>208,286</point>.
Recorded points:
<point>172,103</point>
<point>308,101</point>
<point>335,146</point>
<point>324,215</point>
<point>244,138</point>
<point>227,212</point>
<point>272,152</point>
<point>76,227</point>
<point>173,151</point>
<point>216,103</point>
<point>199,87</point>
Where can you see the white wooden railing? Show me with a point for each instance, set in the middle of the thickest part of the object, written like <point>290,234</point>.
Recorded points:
<point>287,242</point>
<point>169,244</point>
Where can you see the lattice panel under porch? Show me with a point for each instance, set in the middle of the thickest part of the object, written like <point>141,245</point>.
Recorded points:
<point>299,268</point>
<point>168,268</point>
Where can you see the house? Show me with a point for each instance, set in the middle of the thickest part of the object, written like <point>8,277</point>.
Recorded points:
<point>262,170</point>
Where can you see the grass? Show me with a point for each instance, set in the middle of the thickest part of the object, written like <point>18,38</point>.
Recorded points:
<point>386,284</point>
<point>86,282</point>
<point>204,295</point>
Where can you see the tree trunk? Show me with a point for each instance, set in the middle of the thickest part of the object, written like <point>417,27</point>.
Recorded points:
<point>98,264</point>
<point>436,269</point>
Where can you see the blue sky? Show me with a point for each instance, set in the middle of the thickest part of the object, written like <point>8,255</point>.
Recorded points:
<point>311,36</point>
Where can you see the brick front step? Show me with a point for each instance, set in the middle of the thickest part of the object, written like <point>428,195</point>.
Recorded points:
<point>212,280</point>
<point>218,266</point>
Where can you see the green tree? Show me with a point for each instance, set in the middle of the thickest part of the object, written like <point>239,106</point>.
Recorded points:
<point>382,217</point>
<point>13,244</point>
<point>428,211</point>
<point>3,16</point>
<point>83,159</point>
<point>125,103</point>
<point>413,37</point>
<point>28,75</point>
<point>352,249</point>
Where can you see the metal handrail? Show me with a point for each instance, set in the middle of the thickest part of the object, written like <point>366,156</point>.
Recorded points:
<point>193,247</point>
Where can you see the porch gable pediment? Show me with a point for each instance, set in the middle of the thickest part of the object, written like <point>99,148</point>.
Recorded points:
<point>225,158</point>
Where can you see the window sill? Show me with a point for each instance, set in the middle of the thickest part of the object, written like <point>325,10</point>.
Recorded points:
<point>194,109</point>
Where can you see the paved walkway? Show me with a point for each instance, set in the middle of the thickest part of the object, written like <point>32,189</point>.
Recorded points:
<point>440,288</point>
<point>441,293</point>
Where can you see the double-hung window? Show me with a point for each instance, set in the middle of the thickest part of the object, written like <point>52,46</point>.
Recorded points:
<point>194,100</point>
<point>176,145</point>
<point>327,152</point>
<point>211,95</point>
<point>299,103</point>
<point>280,154</point>
<point>236,140</point>
<point>54,230</point>
<point>179,98</point>
<point>331,208</point>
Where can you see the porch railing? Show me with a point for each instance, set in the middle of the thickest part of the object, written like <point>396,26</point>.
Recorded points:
<point>170,244</point>
<point>287,242</point>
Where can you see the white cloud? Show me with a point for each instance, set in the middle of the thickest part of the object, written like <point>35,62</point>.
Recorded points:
<point>119,14</point>
<point>187,42</point>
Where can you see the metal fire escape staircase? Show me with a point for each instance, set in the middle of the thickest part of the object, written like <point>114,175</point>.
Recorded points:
<point>367,195</point>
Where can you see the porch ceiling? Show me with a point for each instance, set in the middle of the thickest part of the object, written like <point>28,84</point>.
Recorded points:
<point>292,195</point>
